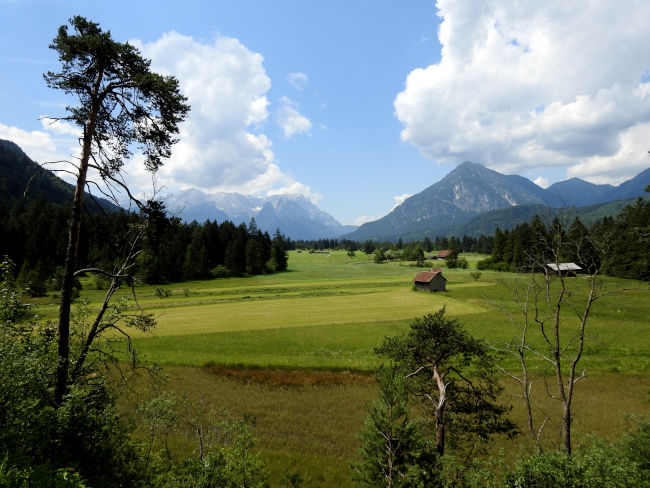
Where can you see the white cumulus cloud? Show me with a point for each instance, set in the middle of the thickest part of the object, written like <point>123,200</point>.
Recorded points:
<point>298,80</point>
<point>46,147</point>
<point>399,199</point>
<point>365,218</point>
<point>221,146</point>
<point>541,182</point>
<point>526,85</point>
<point>38,145</point>
<point>290,120</point>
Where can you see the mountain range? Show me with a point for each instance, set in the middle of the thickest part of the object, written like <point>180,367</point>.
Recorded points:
<point>471,199</point>
<point>296,216</point>
<point>460,202</point>
<point>21,177</point>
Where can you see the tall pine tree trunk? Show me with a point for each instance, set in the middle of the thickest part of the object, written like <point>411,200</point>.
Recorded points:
<point>74,231</point>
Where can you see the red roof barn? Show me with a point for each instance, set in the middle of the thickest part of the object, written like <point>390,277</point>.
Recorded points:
<point>431,280</point>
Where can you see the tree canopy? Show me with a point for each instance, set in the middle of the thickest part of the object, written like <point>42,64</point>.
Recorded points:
<point>120,102</point>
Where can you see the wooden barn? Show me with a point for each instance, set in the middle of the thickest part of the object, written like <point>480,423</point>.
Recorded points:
<point>565,269</point>
<point>443,254</point>
<point>431,280</point>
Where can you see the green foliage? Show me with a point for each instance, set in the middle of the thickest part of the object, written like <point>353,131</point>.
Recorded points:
<point>455,375</point>
<point>83,433</point>
<point>279,255</point>
<point>379,256</point>
<point>625,238</point>
<point>637,447</point>
<point>97,69</point>
<point>228,462</point>
<point>12,476</point>
<point>162,292</point>
<point>598,466</point>
<point>393,450</point>
<point>631,247</point>
<point>12,311</point>
<point>221,271</point>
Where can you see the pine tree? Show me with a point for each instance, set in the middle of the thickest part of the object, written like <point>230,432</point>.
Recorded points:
<point>393,452</point>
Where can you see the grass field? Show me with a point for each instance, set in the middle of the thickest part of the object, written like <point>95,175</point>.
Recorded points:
<point>327,313</point>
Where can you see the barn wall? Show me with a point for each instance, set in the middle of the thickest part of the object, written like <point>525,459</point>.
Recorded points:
<point>438,283</point>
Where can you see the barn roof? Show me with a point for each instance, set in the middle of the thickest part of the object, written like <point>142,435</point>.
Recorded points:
<point>564,266</point>
<point>427,276</point>
<point>444,253</point>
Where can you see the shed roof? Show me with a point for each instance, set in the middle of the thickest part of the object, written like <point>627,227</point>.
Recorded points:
<point>564,266</point>
<point>444,253</point>
<point>427,276</point>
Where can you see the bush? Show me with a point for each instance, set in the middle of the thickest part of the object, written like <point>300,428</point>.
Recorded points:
<point>379,256</point>
<point>637,447</point>
<point>221,272</point>
<point>489,263</point>
<point>484,264</point>
<point>39,442</point>
<point>162,293</point>
<point>37,476</point>
<point>597,467</point>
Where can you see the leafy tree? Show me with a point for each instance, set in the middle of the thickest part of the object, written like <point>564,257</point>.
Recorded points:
<point>631,242</point>
<point>120,102</point>
<point>226,459</point>
<point>39,439</point>
<point>393,451</point>
<point>427,245</point>
<point>452,259</point>
<point>379,256</point>
<point>454,374</point>
<point>12,311</point>
<point>368,247</point>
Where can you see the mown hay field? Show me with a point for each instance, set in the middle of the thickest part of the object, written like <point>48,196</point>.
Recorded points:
<point>263,346</point>
<point>330,311</point>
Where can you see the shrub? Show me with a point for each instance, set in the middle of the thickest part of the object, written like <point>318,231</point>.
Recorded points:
<point>598,466</point>
<point>162,293</point>
<point>221,272</point>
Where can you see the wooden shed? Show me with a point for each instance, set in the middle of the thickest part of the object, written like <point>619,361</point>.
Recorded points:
<point>443,254</point>
<point>565,269</point>
<point>431,280</point>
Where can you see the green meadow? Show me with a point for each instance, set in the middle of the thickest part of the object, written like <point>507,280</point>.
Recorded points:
<point>330,310</point>
<point>294,350</point>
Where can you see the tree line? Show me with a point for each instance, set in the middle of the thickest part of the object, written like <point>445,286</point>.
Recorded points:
<point>626,236</point>
<point>481,244</point>
<point>34,238</point>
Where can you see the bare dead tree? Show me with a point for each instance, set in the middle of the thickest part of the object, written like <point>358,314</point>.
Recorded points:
<point>519,349</point>
<point>556,305</point>
<point>115,317</point>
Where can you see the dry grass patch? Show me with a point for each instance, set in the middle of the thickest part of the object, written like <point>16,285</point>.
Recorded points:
<point>289,378</point>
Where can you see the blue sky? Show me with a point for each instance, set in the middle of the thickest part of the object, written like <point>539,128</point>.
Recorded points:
<point>357,104</point>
